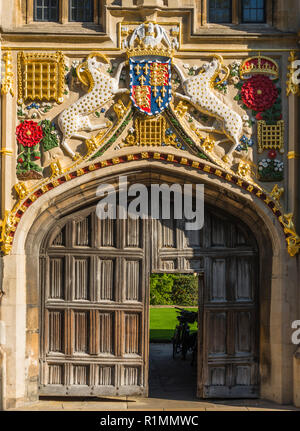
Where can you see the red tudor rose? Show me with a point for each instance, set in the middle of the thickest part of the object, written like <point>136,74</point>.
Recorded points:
<point>272,154</point>
<point>29,133</point>
<point>259,93</point>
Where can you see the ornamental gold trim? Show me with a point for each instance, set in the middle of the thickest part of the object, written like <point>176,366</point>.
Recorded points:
<point>56,169</point>
<point>255,65</point>
<point>22,190</point>
<point>6,152</point>
<point>291,86</point>
<point>244,169</point>
<point>7,226</point>
<point>142,50</point>
<point>8,80</point>
<point>277,192</point>
<point>292,238</point>
<point>293,155</point>
<point>27,197</point>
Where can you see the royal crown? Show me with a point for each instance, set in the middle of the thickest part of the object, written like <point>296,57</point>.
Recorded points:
<point>259,64</point>
<point>143,49</point>
<point>149,39</point>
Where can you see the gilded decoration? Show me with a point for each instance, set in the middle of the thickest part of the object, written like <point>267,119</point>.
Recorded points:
<point>41,76</point>
<point>11,220</point>
<point>259,64</point>
<point>203,105</point>
<point>291,86</point>
<point>293,155</point>
<point>244,169</point>
<point>22,190</point>
<point>270,136</point>
<point>277,192</point>
<point>150,131</point>
<point>8,80</point>
<point>181,108</point>
<point>293,240</point>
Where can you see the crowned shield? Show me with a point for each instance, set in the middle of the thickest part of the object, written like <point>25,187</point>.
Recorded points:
<point>150,83</point>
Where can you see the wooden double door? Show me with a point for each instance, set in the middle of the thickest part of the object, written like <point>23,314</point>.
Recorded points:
<point>95,303</point>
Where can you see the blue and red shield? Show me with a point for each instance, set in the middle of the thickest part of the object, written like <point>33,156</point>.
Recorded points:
<point>150,83</point>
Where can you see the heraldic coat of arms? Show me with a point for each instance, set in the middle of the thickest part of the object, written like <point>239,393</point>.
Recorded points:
<point>150,69</point>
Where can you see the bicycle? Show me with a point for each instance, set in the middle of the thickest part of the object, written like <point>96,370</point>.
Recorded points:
<point>182,339</point>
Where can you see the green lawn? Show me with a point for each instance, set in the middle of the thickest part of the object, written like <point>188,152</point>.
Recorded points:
<point>163,322</point>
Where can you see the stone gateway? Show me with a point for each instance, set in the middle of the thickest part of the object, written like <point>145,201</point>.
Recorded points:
<point>167,93</point>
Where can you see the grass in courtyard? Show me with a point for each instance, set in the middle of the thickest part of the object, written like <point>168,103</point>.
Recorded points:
<point>163,322</point>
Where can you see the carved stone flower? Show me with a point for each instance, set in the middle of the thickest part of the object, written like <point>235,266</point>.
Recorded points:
<point>259,93</point>
<point>29,133</point>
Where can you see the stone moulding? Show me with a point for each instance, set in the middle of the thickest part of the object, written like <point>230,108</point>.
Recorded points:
<point>12,218</point>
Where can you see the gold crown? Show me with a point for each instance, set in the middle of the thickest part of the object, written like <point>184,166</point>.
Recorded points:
<point>259,64</point>
<point>143,49</point>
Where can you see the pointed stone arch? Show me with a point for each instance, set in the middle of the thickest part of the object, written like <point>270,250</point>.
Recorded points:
<point>275,354</point>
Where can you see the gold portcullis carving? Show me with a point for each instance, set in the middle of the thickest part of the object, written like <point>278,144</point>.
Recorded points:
<point>41,76</point>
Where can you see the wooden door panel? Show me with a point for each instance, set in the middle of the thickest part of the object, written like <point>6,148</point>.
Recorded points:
<point>56,277</point>
<point>132,278</point>
<point>55,334</point>
<point>82,232</point>
<point>106,233</point>
<point>216,330</point>
<point>105,279</point>
<point>217,292</point>
<point>229,325</point>
<point>132,334</point>
<point>94,308</point>
<point>243,332</point>
<point>104,334</point>
<point>81,279</point>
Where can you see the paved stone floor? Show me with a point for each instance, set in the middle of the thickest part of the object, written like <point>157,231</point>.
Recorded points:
<point>172,387</point>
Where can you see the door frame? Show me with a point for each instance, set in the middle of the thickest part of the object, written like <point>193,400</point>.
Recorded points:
<point>201,283</point>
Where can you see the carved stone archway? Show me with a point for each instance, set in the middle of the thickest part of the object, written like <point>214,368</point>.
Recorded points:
<point>274,356</point>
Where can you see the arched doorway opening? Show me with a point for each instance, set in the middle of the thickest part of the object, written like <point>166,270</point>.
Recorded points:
<point>95,302</point>
<point>224,254</point>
